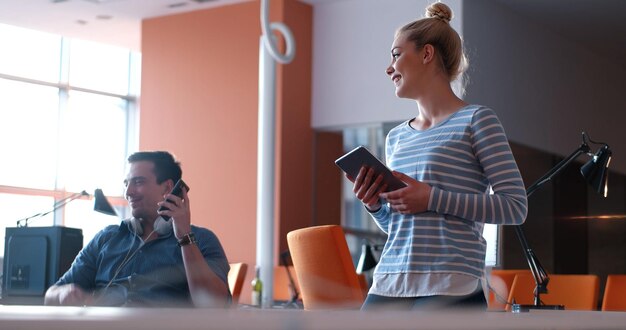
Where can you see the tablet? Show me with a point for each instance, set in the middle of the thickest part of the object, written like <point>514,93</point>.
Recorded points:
<point>352,162</point>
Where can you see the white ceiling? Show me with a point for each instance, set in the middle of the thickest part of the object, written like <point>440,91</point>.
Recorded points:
<point>87,19</point>
<point>600,24</point>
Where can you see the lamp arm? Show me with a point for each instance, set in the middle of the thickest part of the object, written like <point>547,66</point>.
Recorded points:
<point>56,206</point>
<point>584,148</point>
<point>538,272</point>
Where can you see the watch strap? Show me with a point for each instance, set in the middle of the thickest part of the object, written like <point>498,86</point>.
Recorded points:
<point>189,238</point>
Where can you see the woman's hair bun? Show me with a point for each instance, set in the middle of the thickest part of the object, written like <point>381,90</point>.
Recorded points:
<point>440,11</point>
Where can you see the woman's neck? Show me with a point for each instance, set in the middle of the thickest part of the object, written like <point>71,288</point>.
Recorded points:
<point>435,107</point>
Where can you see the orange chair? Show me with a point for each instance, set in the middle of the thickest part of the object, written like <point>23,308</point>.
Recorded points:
<point>500,281</point>
<point>324,268</point>
<point>575,292</point>
<point>615,293</point>
<point>236,276</point>
<point>363,284</point>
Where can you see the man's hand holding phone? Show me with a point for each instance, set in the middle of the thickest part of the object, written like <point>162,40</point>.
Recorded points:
<point>176,206</point>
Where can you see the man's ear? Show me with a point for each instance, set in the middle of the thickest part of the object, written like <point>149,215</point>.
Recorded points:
<point>429,53</point>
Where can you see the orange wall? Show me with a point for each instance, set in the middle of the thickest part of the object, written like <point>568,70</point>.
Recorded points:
<point>199,100</point>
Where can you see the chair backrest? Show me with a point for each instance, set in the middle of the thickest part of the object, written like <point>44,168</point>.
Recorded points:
<point>500,281</point>
<point>575,292</point>
<point>324,268</point>
<point>365,286</point>
<point>282,289</point>
<point>236,277</point>
<point>615,293</point>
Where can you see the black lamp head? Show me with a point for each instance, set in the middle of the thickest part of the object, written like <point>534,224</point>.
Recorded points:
<point>596,170</point>
<point>366,259</point>
<point>101,204</point>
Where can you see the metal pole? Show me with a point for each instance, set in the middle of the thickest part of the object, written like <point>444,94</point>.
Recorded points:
<point>268,54</point>
<point>265,173</point>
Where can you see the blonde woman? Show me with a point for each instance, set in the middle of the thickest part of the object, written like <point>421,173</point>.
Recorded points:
<point>460,174</point>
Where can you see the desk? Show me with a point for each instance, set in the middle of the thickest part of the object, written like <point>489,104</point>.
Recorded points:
<point>112,318</point>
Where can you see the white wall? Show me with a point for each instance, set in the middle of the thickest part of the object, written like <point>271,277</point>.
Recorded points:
<point>545,88</point>
<point>351,50</point>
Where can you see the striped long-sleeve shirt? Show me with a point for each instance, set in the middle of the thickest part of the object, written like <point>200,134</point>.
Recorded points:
<point>463,158</point>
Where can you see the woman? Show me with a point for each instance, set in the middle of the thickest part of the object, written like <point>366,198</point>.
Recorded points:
<point>460,174</point>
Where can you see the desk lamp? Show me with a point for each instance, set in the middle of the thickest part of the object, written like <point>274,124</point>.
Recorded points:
<point>101,204</point>
<point>595,172</point>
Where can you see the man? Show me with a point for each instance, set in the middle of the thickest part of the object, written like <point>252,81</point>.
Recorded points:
<point>147,261</point>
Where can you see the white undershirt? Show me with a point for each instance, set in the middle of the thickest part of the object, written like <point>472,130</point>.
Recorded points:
<point>424,284</point>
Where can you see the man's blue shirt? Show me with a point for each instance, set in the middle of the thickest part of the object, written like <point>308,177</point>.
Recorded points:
<point>122,270</point>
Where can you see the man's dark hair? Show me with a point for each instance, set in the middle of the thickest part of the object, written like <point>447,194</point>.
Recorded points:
<point>165,166</point>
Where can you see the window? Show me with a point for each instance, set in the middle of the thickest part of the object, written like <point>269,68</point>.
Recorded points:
<point>28,131</point>
<point>69,117</point>
<point>94,139</point>
<point>88,72</point>
<point>29,54</point>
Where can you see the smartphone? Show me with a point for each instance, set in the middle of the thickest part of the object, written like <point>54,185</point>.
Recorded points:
<point>352,162</point>
<point>176,191</point>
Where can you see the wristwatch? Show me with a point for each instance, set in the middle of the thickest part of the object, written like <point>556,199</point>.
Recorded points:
<point>187,239</point>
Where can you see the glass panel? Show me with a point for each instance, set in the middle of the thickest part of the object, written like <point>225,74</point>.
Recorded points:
<point>99,67</point>
<point>80,214</point>
<point>28,132</point>
<point>94,140</point>
<point>354,214</point>
<point>30,54</point>
<point>17,207</point>
<point>373,139</point>
<point>490,233</point>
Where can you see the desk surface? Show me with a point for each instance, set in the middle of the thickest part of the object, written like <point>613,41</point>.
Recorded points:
<point>107,318</point>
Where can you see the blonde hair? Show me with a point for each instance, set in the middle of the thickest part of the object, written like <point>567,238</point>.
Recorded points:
<point>435,30</point>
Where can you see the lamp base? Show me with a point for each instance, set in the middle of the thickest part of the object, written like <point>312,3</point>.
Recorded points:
<point>519,308</point>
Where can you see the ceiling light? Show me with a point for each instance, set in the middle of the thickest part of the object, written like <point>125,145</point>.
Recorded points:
<point>177,5</point>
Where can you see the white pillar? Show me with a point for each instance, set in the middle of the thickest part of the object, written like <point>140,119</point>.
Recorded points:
<point>266,173</point>
<point>268,54</point>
